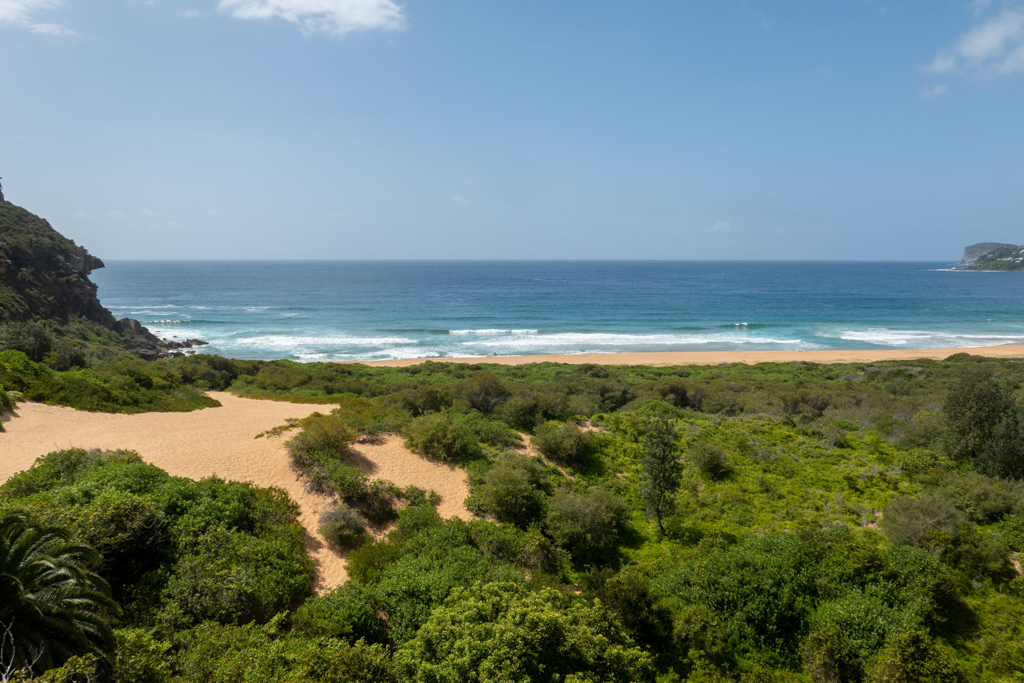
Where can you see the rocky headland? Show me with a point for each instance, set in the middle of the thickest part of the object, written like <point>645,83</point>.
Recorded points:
<point>44,278</point>
<point>993,256</point>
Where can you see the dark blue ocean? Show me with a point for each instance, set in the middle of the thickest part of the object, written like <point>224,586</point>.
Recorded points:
<point>361,310</point>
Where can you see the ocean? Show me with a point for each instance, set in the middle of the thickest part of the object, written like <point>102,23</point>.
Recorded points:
<point>367,310</point>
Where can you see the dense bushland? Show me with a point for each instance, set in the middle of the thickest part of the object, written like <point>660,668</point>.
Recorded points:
<point>786,522</point>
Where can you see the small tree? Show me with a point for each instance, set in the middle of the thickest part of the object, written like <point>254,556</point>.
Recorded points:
<point>662,466</point>
<point>985,425</point>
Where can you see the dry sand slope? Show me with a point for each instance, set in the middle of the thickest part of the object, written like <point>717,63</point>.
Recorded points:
<point>222,441</point>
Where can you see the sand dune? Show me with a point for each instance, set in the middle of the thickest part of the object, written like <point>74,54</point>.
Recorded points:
<point>666,358</point>
<point>221,441</point>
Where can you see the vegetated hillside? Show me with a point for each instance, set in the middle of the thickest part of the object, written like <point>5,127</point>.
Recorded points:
<point>44,275</point>
<point>1007,258</point>
<point>778,522</point>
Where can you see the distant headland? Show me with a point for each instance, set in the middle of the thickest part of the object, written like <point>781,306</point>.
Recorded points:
<point>993,256</point>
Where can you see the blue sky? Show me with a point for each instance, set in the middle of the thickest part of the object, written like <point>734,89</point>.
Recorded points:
<point>851,129</point>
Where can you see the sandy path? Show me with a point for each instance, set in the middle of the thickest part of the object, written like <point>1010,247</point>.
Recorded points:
<point>664,358</point>
<point>221,441</point>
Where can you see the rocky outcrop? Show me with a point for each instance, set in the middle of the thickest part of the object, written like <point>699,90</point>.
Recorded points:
<point>978,251</point>
<point>148,346</point>
<point>44,275</point>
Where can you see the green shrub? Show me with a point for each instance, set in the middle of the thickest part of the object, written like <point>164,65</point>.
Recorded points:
<point>847,632</point>
<point>424,399</point>
<point>235,577</point>
<point>754,595</point>
<point>415,572</point>
<point>140,658</point>
<point>587,525</point>
<point>31,338</point>
<point>212,653</point>
<point>628,596</point>
<point>348,613</point>
<point>566,444</point>
<point>445,436</point>
<point>918,461</point>
<point>6,402</point>
<point>654,406</point>
<point>491,432</point>
<point>985,426</point>
<point>1012,530</point>
<point>510,490</point>
<point>322,438</point>
<point>378,501</point>
<point>342,528</point>
<point>483,391</point>
<point>914,521</point>
<point>529,550</point>
<point>912,657</point>
<point>710,459</point>
<point>370,416</point>
<point>500,632</point>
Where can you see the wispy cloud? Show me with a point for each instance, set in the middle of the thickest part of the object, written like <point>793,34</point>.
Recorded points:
<point>937,91</point>
<point>721,226</point>
<point>994,47</point>
<point>188,14</point>
<point>337,17</point>
<point>21,13</point>
<point>460,200</point>
<point>980,6</point>
<point>214,212</point>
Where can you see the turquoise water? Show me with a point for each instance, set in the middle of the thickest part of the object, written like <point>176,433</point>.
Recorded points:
<point>362,310</point>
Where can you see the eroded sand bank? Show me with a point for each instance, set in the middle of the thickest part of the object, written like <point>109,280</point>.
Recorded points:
<point>221,441</point>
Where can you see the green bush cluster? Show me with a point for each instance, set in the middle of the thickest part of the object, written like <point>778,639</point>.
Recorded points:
<point>566,444</point>
<point>177,552</point>
<point>128,386</point>
<point>445,436</point>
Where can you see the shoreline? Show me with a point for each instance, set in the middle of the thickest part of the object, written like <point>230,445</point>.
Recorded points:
<point>669,358</point>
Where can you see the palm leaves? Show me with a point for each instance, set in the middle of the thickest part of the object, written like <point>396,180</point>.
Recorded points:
<point>52,606</point>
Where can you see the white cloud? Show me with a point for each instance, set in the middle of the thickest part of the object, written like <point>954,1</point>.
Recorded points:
<point>937,91</point>
<point>20,13</point>
<point>980,6</point>
<point>322,16</point>
<point>993,48</point>
<point>214,212</point>
<point>721,226</point>
<point>460,200</point>
<point>148,212</point>
<point>188,14</point>
<point>114,213</point>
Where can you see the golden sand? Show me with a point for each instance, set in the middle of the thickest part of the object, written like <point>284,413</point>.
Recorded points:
<point>667,358</point>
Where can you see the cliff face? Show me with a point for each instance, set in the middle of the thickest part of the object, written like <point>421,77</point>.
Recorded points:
<point>982,249</point>
<point>44,275</point>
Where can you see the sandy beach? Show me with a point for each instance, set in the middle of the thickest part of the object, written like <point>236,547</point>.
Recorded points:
<point>221,441</point>
<point>668,358</point>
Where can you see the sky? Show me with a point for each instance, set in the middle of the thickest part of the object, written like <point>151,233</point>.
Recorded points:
<point>472,129</point>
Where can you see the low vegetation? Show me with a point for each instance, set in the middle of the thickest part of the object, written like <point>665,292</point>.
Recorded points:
<point>779,522</point>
